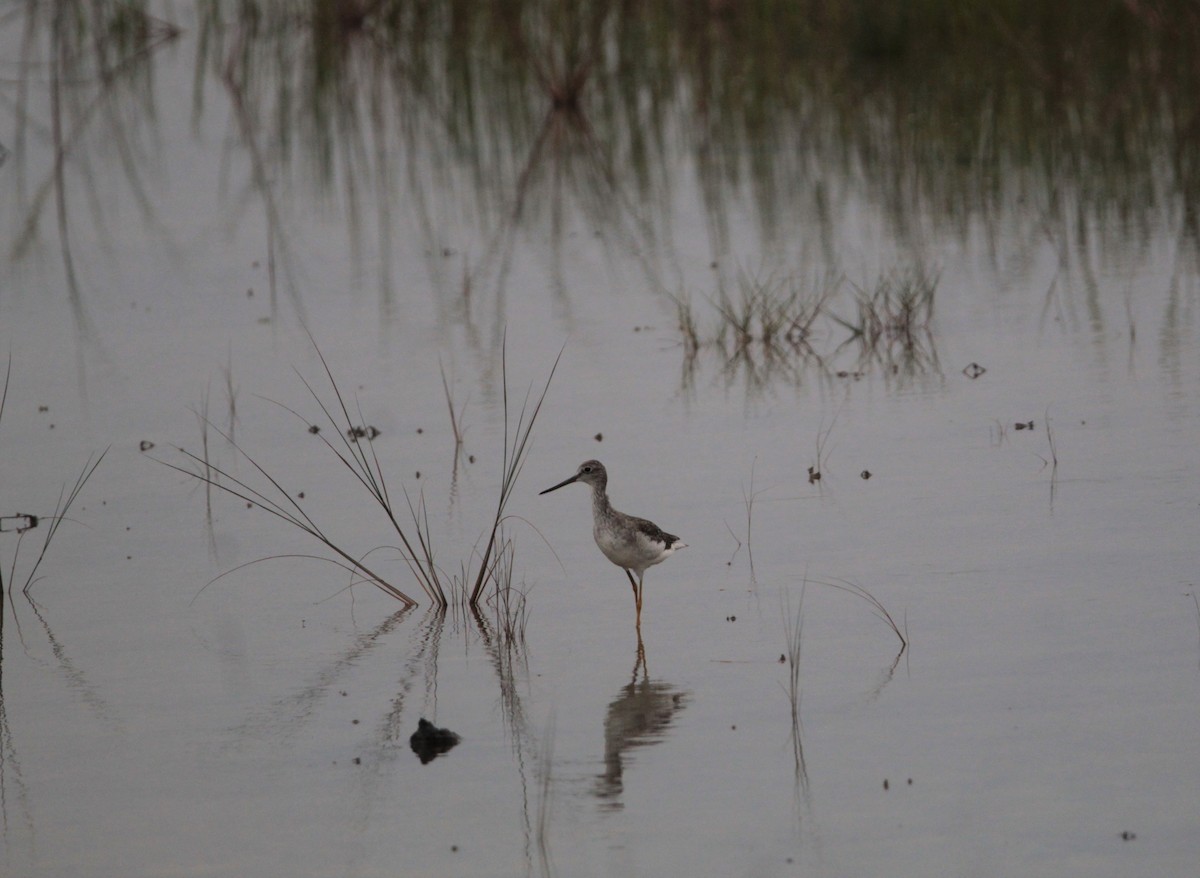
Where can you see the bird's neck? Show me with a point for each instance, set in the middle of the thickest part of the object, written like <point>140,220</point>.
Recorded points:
<point>601,508</point>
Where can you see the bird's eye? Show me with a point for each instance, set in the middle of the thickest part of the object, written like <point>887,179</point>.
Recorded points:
<point>587,469</point>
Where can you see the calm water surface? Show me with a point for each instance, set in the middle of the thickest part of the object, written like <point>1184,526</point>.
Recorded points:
<point>182,195</point>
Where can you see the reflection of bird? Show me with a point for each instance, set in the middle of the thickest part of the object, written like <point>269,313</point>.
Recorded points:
<point>639,716</point>
<point>633,544</point>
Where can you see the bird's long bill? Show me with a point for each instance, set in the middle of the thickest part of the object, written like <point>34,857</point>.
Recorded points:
<point>561,484</point>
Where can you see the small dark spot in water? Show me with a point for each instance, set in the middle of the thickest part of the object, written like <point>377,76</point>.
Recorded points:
<point>973,370</point>
<point>128,557</point>
<point>353,722</point>
<point>418,474</point>
<point>343,693</point>
<point>447,252</point>
<point>733,728</point>
<point>145,445</point>
<point>254,264</point>
<point>373,432</point>
<point>814,475</point>
<point>1128,836</point>
<point>782,658</point>
<point>249,505</point>
<point>357,760</point>
<point>300,496</point>
<point>429,742</point>
<point>420,430</point>
<point>910,781</point>
<point>712,264</point>
<point>250,293</point>
<point>470,458</point>
<point>599,437</point>
<point>454,848</point>
<point>314,429</point>
<point>866,474</point>
<point>731,618</point>
<point>51,426</point>
<point>885,783</point>
<point>43,408</point>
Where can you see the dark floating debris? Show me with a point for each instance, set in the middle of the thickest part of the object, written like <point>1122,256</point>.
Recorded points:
<point>814,475</point>
<point>1128,836</point>
<point>145,445</point>
<point>369,433</point>
<point>973,370</point>
<point>599,437</point>
<point>19,522</point>
<point>1023,425</point>
<point>314,429</point>
<point>430,742</point>
<point>865,474</point>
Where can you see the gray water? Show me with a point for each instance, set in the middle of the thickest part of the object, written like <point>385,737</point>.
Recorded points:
<point>209,208</point>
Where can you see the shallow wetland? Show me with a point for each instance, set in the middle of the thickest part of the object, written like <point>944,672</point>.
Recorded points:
<point>891,316</point>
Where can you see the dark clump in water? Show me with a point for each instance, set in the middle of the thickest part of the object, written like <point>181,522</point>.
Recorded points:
<point>429,742</point>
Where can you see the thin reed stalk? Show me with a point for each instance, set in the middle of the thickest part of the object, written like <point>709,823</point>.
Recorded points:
<point>877,607</point>
<point>513,460</point>
<point>66,499</point>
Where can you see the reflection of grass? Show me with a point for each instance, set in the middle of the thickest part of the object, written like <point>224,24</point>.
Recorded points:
<point>774,327</point>
<point>774,315</point>
<point>1027,100</point>
<point>897,310</point>
<point>356,452</point>
<point>890,323</point>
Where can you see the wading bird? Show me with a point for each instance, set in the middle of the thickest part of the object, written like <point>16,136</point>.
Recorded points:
<point>633,544</point>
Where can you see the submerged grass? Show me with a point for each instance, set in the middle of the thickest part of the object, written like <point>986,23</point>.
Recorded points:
<point>355,451</point>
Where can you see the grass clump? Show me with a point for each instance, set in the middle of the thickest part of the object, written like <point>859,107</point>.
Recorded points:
<point>407,517</point>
